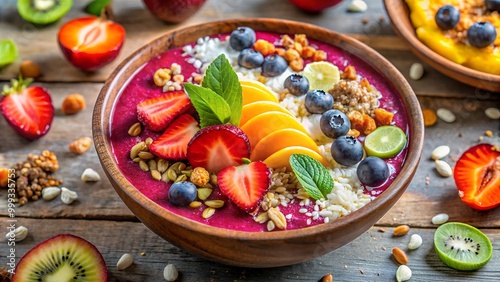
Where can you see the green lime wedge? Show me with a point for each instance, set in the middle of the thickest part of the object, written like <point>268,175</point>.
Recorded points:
<point>8,52</point>
<point>385,141</point>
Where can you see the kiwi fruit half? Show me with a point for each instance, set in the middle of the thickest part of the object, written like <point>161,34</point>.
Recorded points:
<point>462,246</point>
<point>62,258</point>
<point>43,12</point>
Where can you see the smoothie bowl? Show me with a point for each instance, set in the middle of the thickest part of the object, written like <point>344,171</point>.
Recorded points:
<point>258,142</point>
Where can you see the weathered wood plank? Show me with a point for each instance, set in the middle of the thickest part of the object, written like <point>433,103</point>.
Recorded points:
<point>368,258</point>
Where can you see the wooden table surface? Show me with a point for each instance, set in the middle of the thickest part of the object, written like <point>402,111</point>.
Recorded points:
<point>101,217</point>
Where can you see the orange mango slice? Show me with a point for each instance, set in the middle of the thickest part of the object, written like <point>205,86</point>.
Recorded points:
<point>252,94</point>
<point>263,124</point>
<point>282,157</point>
<point>281,139</point>
<point>259,107</point>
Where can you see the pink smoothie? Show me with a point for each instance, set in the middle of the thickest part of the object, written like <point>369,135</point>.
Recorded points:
<point>141,87</point>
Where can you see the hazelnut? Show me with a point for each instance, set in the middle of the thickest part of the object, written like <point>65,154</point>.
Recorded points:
<point>29,69</point>
<point>80,145</point>
<point>73,103</point>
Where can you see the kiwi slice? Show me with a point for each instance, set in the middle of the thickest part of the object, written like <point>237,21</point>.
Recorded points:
<point>43,12</point>
<point>62,258</point>
<point>462,246</point>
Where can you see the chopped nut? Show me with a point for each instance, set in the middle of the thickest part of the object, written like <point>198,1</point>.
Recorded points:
<point>264,47</point>
<point>308,52</point>
<point>401,230</point>
<point>125,261</point>
<point>4,177</point>
<point>301,39</point>
<point>161,76</point>
<point>90,175</point>
<point>200,176</point>
<point>73,104</point>
<point>297,65</point>
<point>327,278</point>
<point>204,193</point>
<point>49,193</point>
<point>29,68</point>
<point>287,41</point>
<point>179,78</point>
<point>399,255</point>
<point>319,55</point>
<point>383,117</point>
<point>349,73</point>
<point>80,145</point>
<point>292,55</point>
<point>369,124</point>
<point>68,196</point>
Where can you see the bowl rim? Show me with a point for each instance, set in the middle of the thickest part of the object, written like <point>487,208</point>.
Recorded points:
<point>399,14</point>
<point>395,189</point>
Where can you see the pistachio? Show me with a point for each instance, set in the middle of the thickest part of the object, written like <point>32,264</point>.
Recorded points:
<point>204,193</point>
<point>125,261</point>
<point>357,6</point>
<point>170,273</point>
<point>416,71</point>
<point>90,175</point>
<point>208,212</point>
<point>215,204</point>
<point>440,218</point>
<point>443,168</point>
<point>181,177</point>
<point>440,152</point>
<point>415,242</point>
<point>68,196</point>
<point>403,273</point>
<point>49,193</point>
<point>18,234</point>
<point>446,115</point>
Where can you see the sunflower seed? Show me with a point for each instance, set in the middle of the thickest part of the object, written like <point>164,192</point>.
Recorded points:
<point>415,242</point>
<point>215,204</point>
<point>134,152</point>
<point>17,234</point>
<point>170,273</point>
<point>49,193</point>
<point>125,261</point>
<point>135,129</point>
<point>492,113</point>
<point>156,174</point>
<point>416,71</point>
<point>90,175</point>
<point>443,168</point>
<point>357,6</point>
<point>446,115</point>
<point>403,273</point>
<point>440,218</point>
<point>208,212</point>
<point>204,193</point>
<point>440,152</point>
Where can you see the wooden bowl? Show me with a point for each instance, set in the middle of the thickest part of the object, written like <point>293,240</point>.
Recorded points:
<point>253,249</point>
<point>399,15</point>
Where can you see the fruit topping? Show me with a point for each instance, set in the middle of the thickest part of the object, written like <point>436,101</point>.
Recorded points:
<point>462,246</point>
<point>385,141</point>
<point>95,7</point>
<point>242,38</point>
<point>8,52</point>
<point>281,158</point>
<point>492,5</point>
<point>296,84</point>
<point>250,59</point>
<point>481,34</point>
<point>245,185</point>
<point>477,176</point>
<point>373,171</point>
<point>218,146</point>
<point>447,17</point>
<point>334,123</point>
<point>318,101</point>
<point>255,108</point>
<point>64,257</point>
<point>322,75</point>
<point>173,143</point>
<point>274,65</point>
<point>157,113</point>
<point>27,109</point>
<point>347,150</point>
<point>182,193</point>
<point>252,92</point>
<point>43,12</point>
<point>90,43</point>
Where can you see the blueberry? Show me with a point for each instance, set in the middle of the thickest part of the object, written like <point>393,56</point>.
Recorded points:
<point>274,65</point>
<point>492,5</point>
<point>297,84</point>
<point>347,150</point>
<point>318,101</point>
<point>250,59</point>
<point>373,171</point>
<point>481,34</point>
<point>182,193</point>
<point>241,38</point>
<point>447,17</point>
<point>334,123</point>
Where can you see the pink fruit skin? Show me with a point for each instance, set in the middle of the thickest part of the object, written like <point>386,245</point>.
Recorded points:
<point>315,6</point>
<point>173,11</point>
<point>89,62</point>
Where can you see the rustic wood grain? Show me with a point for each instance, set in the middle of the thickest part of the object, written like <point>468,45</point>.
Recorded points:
<point>361,260</point>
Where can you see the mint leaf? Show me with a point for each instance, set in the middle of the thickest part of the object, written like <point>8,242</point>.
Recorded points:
<point>211,107</point>
<point>223,80</point>
<point>313,176</point>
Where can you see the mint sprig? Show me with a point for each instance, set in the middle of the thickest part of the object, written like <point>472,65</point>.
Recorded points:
<point>313,176</point>
<point>219,99</point>
<point>211,108</point>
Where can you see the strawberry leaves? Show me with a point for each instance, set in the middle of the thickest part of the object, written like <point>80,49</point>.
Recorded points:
<point>219,100</point>
<point>313,176</point>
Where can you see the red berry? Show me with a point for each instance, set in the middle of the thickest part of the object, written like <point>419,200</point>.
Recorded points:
<point>172,144</point>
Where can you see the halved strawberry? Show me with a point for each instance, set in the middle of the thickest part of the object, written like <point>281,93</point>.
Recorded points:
<point>477,176</point>
<point>173,143</point>
<point>218,146</point>
<point>245,185</point>
<point>28,110</point>
<point>90,43</point>
<point>157,113</point>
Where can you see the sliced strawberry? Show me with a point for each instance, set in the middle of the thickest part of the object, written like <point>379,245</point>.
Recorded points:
<point>218,146</point>
<point>91,42</point>
<point>157,113</point>
<point>173,143</point>
<point>477,176</point>
<point>245,185</point>
<point>28,110</point>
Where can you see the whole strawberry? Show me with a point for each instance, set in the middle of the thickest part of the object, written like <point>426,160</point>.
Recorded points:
<point>28,110</point>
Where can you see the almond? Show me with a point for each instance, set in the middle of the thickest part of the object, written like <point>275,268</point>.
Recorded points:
<point>399,255</point>
<point>401,230</point>
<point>327,278</point>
